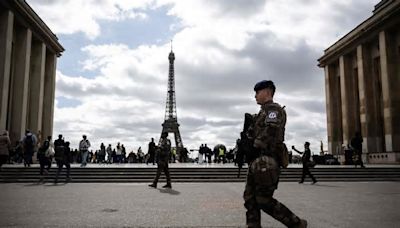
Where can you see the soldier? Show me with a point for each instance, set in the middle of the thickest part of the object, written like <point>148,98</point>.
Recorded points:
<point>267,133</point>
<point>306,162</point>
<point>162,157</point>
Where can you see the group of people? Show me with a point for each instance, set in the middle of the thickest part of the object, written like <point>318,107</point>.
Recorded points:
<point>220,154</point>
<point>267,134</point>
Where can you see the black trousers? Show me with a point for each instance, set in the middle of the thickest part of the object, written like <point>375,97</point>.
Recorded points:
<point>44,163</point>
<point>162,166</point>
<point>306,171</point>
<point>60,165</point>
<point>151,158</point>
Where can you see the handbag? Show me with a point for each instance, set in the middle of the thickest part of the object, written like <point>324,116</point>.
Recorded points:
<point>50,152</point>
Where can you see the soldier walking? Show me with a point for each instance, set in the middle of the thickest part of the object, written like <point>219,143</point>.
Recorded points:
<point>267,133</point>
<point>306,162</point>
<point>162,157</point>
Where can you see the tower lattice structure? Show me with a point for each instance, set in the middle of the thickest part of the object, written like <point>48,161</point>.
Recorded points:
<point>170,124</point>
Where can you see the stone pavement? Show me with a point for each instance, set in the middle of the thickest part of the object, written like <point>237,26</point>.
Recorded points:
<point>333,204</point>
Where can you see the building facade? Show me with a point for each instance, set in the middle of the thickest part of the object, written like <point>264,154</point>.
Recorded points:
<point>362,81</point>
<point>28,57</point>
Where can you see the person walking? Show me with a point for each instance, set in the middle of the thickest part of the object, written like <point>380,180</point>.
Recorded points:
<point>101,154</point>
<point>5,144</point>
<point>109,154</point>
<point>162,157</point>
<point>84,145</point>
<point>306,162</point>
<point>267,134</point>
<point>118,153</point>
<point>44,155</point>
<point>63,157</point>
<point>29,143</point>
<point>356,144</point>
<point>151,152</point>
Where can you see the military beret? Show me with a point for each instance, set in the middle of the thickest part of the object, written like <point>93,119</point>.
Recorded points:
<point>264,84</point>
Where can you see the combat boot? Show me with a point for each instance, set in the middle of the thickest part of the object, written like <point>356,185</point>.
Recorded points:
<point>153,185</point>
<point>301,224</point>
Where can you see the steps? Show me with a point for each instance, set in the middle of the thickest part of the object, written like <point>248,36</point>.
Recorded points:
<point>146,175</point>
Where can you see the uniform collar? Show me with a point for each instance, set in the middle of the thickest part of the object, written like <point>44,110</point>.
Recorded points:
<point>266,104</point>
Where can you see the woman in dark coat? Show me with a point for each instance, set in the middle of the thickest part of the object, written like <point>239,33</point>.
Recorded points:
<point>4,147</point>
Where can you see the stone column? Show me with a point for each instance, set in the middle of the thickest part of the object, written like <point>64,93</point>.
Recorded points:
<point>333,110</point>
<point>49,94</point>
<point>390,71</point>
<point>368,112</point>
<point>348,106</point>
<point>6,33</point>
<point>36,86</point>
<point>20,82</point>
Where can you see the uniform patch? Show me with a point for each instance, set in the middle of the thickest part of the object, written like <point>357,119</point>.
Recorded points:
<point>272,115</point>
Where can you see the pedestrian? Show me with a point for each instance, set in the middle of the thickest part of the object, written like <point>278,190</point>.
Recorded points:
<point>208,153</point>
<point>102,154</point>
<point>118,153</point>
<point>201,154</point>
<point>44,156</point>
<point>151,152</point>
<point>356,143</point>
<point>306,162</point>
<point>62,157</point>
<point>109,154</point>
<point>5,144</point>
<point>29,143</point>
<point>140,155</point>
<point>162,157</point>
<point>84,145</point>
<point>173,155</point>
<point>267,133</point>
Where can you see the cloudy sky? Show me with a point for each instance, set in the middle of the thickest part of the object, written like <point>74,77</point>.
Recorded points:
<point>112,78</point>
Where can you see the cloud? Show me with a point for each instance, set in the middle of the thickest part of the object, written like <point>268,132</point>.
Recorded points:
<point>222,49</point>
<point>72,16</point>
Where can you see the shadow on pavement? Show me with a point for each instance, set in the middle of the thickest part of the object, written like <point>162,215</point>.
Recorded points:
<point>169,191</point>
<point>326,185</point>
<point>52,184</point>
<point>37,183</point>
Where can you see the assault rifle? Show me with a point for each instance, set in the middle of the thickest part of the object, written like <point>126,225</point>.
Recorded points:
<point>245,145</point>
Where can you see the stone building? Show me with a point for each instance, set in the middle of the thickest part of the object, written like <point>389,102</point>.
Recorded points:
<point>362,80</point>
<point>28,56</point>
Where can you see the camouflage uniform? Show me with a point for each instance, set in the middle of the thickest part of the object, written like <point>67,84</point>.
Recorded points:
<point>267,131</point>
<point>162,157</point>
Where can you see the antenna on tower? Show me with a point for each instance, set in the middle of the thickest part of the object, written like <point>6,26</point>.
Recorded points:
<point>171,45</point>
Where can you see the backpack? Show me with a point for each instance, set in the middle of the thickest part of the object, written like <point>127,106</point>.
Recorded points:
<point>59,150</point>
<point>28,142</point>
<point>41,152</point>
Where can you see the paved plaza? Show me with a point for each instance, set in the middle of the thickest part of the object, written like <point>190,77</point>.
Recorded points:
<point>333,204</point>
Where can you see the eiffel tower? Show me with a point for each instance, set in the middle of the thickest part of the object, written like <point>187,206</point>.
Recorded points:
<point>170,124</point>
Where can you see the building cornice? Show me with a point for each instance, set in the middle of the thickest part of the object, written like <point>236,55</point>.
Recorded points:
<point>362,31</point>
<point>35,23</point>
